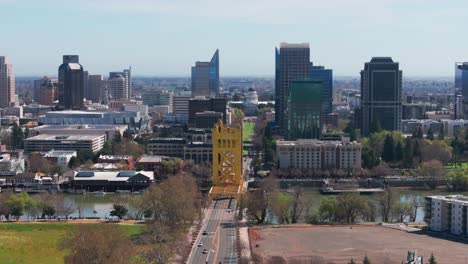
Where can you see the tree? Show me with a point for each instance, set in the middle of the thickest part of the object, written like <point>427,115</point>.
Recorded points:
<point>117,137</point>
<point>441,135</point>
<point>17,204</point>
<point>349,206</point>
<point>238,117</point>
<point>432,259</point>
<point>437,150</point>
<point>85,155</point>
<point>128,147</point>
<point>416,202</point>
<point>37,163</point>
<point>399,152</point>
<point>375,126</point>
<point>17,136</point>
<point>64,207</point>
<point>369,158</point>
<point>119,210</point>
<point>458,180</point>
<point>386,202</point>
<point>327,209</point>
<point>401,211</point>
<point>4,209</point>
<point>418,133</point>
<point>256,204</point>
<point>351,261</point>
<point>366,260</point>
<point>48,210</point>
<point>299,204</point>
<point>105,244</point>
<point>388,154</point>
<point>281,207</point>
<point>33,208</point>
<point>432,168</point>
<point>430,134</point>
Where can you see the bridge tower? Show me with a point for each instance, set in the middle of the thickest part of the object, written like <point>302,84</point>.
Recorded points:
<point>227,161</point>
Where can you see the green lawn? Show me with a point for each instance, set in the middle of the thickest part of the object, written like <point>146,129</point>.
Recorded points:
<point>247,131</point>
<point>463,165</point>
<point>38,242</point>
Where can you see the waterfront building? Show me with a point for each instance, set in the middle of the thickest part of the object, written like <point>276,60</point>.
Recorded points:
<point>112,180</point>
<point>447,214</point>
<point>205,77</point>
<point>318,155</point>
<point>7,84</point>
<point>304,109</point>
<point>70,83</point>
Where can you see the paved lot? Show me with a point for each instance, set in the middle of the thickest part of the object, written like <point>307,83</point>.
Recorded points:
<point>338,244</point>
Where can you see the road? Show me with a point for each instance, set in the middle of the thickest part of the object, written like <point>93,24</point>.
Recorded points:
<point>217,236</point>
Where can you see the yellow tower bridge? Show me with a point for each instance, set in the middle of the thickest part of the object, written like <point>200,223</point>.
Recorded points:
<point>227,161</point>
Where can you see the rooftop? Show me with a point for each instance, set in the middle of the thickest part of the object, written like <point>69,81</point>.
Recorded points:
<point>152,158</point>
<point>64,137</point>
<point>110,175</point>
<point>59,153</point>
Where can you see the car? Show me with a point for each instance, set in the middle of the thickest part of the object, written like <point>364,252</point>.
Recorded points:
<point>200,244</point>
<point>205,251</point>
<point>204,233</point>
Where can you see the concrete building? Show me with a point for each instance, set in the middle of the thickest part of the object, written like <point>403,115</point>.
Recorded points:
<point>151,162</point>
<point>141,108</point>
<point>201,104</point>
<point>11,165</point>
<point>109,130</point>
<point>127,75</point>
<point>48,142</point>
<point>447,214</point>
<point>70,83</point>
<point>207,119</point>
<point>97,88</point>
<point>318,155</point>
<point>410,126</point>
<point>171,147</point>
<point>60,157</point>
<point>117,87</point>
<point>45,90</point>
<point>413,111</point>
<point>7,84</point>
<point>381,82</point>
<point>292,62</point>
<point>154,98</point>
<point>13,111</point>
<point>199,152</point>
<point>205,77</point>
<point>117,159</point>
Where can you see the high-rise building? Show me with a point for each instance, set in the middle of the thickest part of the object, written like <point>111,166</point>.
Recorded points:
<point>127,75</point>
<point>86,91</point>
<point>304,109</point>
<point>202,104</point>
<point>381,82</point>
<point>205,77</point>
<point>461,90</point>
<point>292,61</point>
<point>70,83</point>
<point>96,86</point>
<point>45,90</point>
<point>326,76</point>
<point>117,87</point>
<point>7,84</point>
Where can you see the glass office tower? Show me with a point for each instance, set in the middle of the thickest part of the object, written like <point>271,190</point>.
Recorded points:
<point>205,77</point>
<point>326,75</point>
<point>70,83</point>
<point>461,90</point>
<point>304,108</point>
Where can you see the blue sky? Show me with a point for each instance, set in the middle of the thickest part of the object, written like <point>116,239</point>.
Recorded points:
<point>165,37</point>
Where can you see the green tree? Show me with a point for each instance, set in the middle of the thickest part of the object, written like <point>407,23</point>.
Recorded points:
<point>441,135</point>
<point>375,126</point>
<point>432,259</point>
<point>85,155</point>
<point>369,158</point>
<point>430,134</point>
<point>117,137</point>
<point>351,130</point>
<point>388,154</point>
<point>17,204</point>
<point>327,209</point>
<point>48,210</point>
<point>399,151</point>
<point>458,180</point>
<point>119,210</point>
<point>17,136</point>
<point>350,206</point>
<point>418,133</point>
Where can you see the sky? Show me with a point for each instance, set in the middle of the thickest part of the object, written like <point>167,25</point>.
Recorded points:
<point>166,37</point>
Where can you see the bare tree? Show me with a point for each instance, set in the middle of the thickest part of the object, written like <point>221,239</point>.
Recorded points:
<point>416,202</point>
<point>385,202</point>
<point>64,207</point>
<point>299,204</point>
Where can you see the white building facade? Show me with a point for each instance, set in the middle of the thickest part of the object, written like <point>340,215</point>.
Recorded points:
<point>447,214</point>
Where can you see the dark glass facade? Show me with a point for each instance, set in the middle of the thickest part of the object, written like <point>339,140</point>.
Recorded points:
<point>381,82</point>
<point>70,83</point>
<point>205,77</point>
<point>304,109</point>
<point>461,90</point>
<point>326,76</point>
<point>198,105</point>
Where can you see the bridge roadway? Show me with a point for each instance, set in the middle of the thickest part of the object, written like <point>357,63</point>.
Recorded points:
<point>219,241</point>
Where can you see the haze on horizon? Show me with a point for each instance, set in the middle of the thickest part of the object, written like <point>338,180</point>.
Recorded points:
<point>166,37</point>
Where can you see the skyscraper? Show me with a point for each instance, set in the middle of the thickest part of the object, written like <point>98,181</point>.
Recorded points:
<point>381,82</point>
<point>45,90</point>
<point>292,62</point>
<point>205,77</point>
<point>326,76</point>
<point>70,83</point>
<point>7,83</point>
<point>117,87</point>
<point>127,75</point>
<point>304,108</point>
<point>461,90</point>
<point>86,91</point>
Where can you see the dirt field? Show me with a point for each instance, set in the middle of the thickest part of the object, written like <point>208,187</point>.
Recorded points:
<point>338,244</point>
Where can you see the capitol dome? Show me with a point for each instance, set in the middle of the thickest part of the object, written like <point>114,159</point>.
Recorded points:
<point>251,97</point>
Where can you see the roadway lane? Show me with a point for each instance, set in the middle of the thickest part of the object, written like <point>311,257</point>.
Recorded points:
<point>220,239</point>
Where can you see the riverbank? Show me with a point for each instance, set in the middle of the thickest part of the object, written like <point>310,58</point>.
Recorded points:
<point>38,242</point>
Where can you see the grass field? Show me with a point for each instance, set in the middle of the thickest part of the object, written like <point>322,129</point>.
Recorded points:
<point>247,131</point>
<point>463,165</point>
<point>38,242</point>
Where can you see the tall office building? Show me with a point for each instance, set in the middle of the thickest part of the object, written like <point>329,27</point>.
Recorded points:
<point>117,87</point>
<point>154,97</point>
<point>70,83</point>
<point>202,104</point>
<point>86,91</point>
<point>96,86</point>
<point>127,75</point>
<point>304,109</point>
<point>7,83</point>
<point>461,90</point>
<point>326,76</point>
<point>205,77</point>
<point>45,90</point>
<point>381,82</point>
<point>292,61</point>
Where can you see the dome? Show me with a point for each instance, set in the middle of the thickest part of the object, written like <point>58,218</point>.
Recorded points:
<point>251,97</point>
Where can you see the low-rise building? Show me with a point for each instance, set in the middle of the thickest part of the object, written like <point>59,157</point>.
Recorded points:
<point>318,155</point>
<point>109,130</point>
<point>151,162</point>
<point>48,142</point>
<point>199,152</point>
<point>171,147</point>
<point>60,157</point>
<point>112,180</point>
<point>447,214</point>
<point>117,159</point>
<point>11,165</point>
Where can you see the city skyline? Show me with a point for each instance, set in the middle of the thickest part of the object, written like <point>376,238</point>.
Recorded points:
<point>164,38</point>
